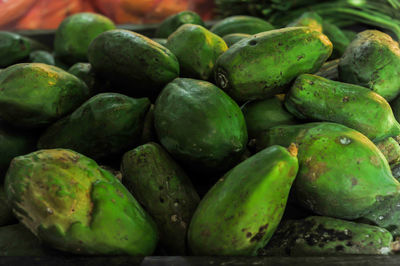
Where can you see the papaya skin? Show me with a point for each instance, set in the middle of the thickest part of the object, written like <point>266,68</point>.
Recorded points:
<point>164,190</point>
<point>308,19</point>
<point>390,148</point>
<point>73,205</point>
<point>241,211</point>
<point>241,24</point>
<point>105,125</point>
<point>265,64</point>
<point>317,98</point>
<point>35,94</point>
<point>342,173</point>
<point>41,56</point>
<point>133,60</point>
<point>329,70</point>
<point>231,39</point>
<point>319,235</point>
<point>173,22</point>
<point>197,50</point>
<point>75,34</point>
<point>371,60</point>
<point>214,122</point>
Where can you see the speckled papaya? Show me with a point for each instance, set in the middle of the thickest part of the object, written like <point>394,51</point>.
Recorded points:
<point>308,19</point>
<point>317,98</point>
<point>233,38</point>
<point>242,210</point>
<point>261,115</point>
<point>371,60</point>
<point>107,124</point>
<point>73,205</point>
<point>15,48</point>
<point>173,22</point>
<point>35,94</point>
<point>200,125</point>
<point>164,190</point>
<point>318,235</point>
<point>133,60</point>
<point>342,173</point>
<point>265,64</point>
<point>241,24</point>
<point>75,33</point>
<point>197,50</point>
<point>390,148</point>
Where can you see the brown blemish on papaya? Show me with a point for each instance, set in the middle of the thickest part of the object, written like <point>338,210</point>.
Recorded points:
<point>261,232</point>
<point>315,170</point>
<point>374,160</point>
<point>205,233</point>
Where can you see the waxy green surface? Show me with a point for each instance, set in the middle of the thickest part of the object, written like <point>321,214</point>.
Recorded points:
<point>317,98</point>
<point>241,24</point>
<point>73,205</point>
<point>173,22</point>
<point>241,211</point>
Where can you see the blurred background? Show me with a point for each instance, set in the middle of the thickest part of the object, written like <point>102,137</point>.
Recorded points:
<point>48,14</point>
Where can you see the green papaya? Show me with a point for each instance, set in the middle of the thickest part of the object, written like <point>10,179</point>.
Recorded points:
<point>14,142</point>
<point>73,205</point>
<point>339,40</point>
<point>173,22</point>
<point>233,38</point>
<point>318,235</point>
<point>371,60</point>
<point>85,72</point>
<point>241,24</point>
<point>243,209</point>
<point>35,94</point>
<point>76,32</point>
<point>107,124</point>
<point>261,115</point>
<point>200,125</point>
<point>133,60</point>
<point>390,148</point>
<point>15,48</point>
<point>149,132</point>
<point>197,50</point>
<point>342,173</point>
<point>317,98</point>
<point>18,241</point>
<point>329,70</point>
<point>351,35</point>
<point>265,64</point>
<point>164,190</point>
<point>308,19</point>
<point>41,56</point>
<point>161,41</point>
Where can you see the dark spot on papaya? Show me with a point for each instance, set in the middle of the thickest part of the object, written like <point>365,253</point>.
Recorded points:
<point>354,181</point>
<point>205,233</point>
<point>229,218</point>
<point>374,160</point>
<point>315,170</point>
<point>248,235</point>
<point>161,200</point>
<point>257,237</point>
<point>253,42</point>
<point>300,57</point>
<point>349,244</point>
<point>345,99</point>
<point>339,248</point>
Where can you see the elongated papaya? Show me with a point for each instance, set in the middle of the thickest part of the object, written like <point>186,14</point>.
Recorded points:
<point>313,97</point>
<point>265,64</point>
<point>242,210</point>
<point>342,173</point>
<point>164,190</point>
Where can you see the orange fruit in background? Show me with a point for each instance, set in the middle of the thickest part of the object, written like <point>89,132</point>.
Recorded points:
<point>13,9</point>
<point>138,7</point>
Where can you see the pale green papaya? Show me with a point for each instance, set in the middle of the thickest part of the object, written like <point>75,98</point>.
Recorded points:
<point>342,173</point>
<point>73,205</point>
<point>105,125</point>
<point>197,50</point>
<point>243,209</point>
<point>371,60</point>
<point>265,64</point>
<point>35,94</point>
<point>164,190</point>
<point>317,98</point>
<point>318,235</point>
<point>200,125</point>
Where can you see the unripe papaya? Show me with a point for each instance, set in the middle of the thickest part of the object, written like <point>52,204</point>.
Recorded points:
<point>308,19</point>
<point>41,56</point>
<point>72,204</point>
<point>242,210</point>
<point>342,173</point>
<point>339,40</point>
<point>265,64</point>
<point>317,98</point>
<point>241,24</point>
<point>371,60</point>
<point>133,60</point>
<point>233,38</point>
<point>329,70</point>
<point>200,125</point>
<point>390,148</point>
<point>197,50</point>
<point>85,72</point>
<point>261,115</point>
<point>164,190</point>
<point>35,94</point>
<point>172,23</point>
<point>107,124</point>
<point>318,235</point>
